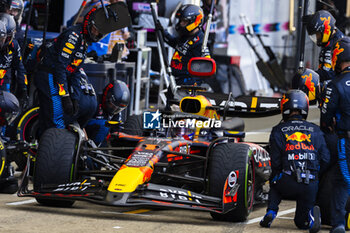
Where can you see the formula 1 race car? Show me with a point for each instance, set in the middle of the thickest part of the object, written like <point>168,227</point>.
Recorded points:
<point>205,165</point>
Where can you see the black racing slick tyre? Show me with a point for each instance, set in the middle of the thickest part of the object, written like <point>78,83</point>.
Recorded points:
<point>134,125</point>
<point>224,159</point>
<point>54,163</point>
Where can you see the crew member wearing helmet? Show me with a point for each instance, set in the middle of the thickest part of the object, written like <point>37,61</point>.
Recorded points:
<point>298,154</point>
<point>188,43</point>
<point>335,115</point>
<point>9,110</point>
<point>115,98</point>
<point>10,58</point>
<point>59,69</point>
<point>16,10</point>
<point>322,30</point>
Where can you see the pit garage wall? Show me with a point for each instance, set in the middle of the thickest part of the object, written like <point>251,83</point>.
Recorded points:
<point>70,9</point>
<point>272,16</point>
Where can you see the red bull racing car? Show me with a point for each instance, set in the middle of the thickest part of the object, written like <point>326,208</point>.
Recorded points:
<point>195,167</point>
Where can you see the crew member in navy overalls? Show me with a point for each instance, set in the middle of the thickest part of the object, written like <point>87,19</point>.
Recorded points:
<point>64,94</point>
<point>298,154</point>
<point>187,44</point>
<point>335,116</point>
<point>322,31</point>
<point>10,58</point>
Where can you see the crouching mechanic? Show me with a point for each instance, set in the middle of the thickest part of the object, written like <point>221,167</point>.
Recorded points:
<point>115,98</point>
<point>59,79</point>
<point>187,44</point>
<point>298,154</point>
<point>335,115</point>
<point>9,110</point>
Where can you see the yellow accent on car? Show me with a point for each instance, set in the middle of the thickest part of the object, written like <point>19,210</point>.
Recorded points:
<point>126,180</point>
<point>204,103</point>
<point>233,132</point>
<point>254,103</point>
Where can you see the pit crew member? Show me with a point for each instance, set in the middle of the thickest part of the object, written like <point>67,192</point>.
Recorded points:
<point>298,154</point>
<point>187,44</point>
<point>10,58</point>
<point>335,116</point>
<point>322,31</point>
<point>59,69</point>
<point>9,110</point>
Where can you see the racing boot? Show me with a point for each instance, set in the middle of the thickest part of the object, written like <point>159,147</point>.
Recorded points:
<point>338,229</point>
<point>314,219</point>
<point>268,218</point>
<point>8,183</point>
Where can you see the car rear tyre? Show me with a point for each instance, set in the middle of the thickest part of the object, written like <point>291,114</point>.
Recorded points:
<point>226,158</point>
<point>54,163</point>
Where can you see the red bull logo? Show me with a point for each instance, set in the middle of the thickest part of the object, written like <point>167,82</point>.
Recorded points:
<point>327,28</point>
<point>61,90</point>
<point>299,137</point>
<point>336,52</point>
<point>177,57</point>
<point>77,62</point>
<point>2,74</point>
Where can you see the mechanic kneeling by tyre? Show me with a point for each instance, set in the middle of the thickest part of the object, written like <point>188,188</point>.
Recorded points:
<point>9,109</point>
<point>298,155</point>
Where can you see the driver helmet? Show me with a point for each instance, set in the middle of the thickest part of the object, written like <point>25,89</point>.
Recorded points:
<point>189,18</point>
<point>186,133</point>
<point>294,100</point>
<point>116,97</point>
<point>10,25</point>
<point>320,27</point>
<point>9,108</point>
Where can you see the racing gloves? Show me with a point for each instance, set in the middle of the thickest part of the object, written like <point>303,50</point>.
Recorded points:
<point>69,107</point>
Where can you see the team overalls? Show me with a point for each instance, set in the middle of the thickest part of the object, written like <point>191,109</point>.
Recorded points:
<point>185,49</point>
<point>298,153</point>
<point>337,105</point>
<point>11,59</point>
<point>58,75</point>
